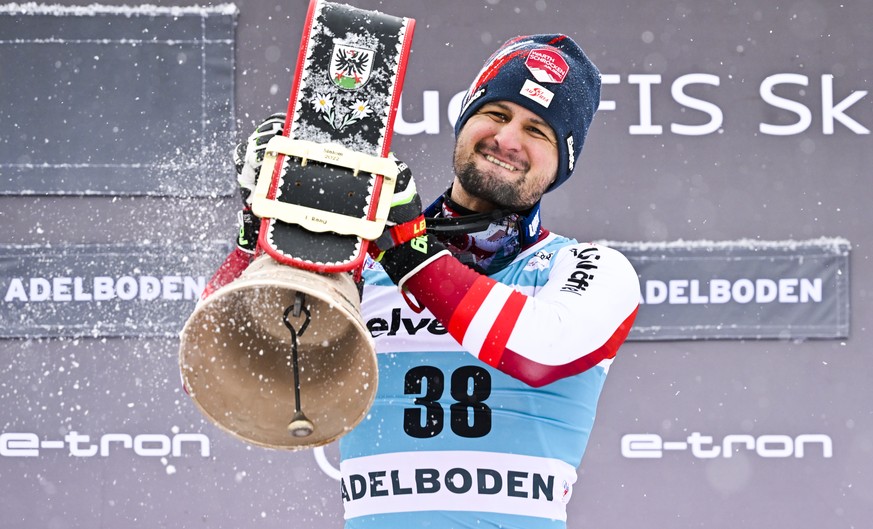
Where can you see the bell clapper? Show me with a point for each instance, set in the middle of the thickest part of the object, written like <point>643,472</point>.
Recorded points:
<point>300,425</point>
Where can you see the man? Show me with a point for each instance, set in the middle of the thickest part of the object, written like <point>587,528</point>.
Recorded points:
<point>487,396</point>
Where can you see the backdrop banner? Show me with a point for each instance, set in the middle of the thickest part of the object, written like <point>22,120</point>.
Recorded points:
<point>690,290</point>
<point>104,100</point>
<point>741,289</point>
<point>102,290</point>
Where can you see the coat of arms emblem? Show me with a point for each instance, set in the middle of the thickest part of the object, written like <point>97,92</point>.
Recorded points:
<point>350,66</point>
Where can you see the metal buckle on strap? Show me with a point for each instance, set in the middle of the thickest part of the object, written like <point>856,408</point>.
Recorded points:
<point>318,220</point>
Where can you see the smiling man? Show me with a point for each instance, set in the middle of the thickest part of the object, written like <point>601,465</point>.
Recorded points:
<point>505,156</point>
<point>483,420</point>
<point>494,336</point>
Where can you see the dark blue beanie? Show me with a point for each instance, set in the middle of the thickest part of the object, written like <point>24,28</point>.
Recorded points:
<point>552,77</point>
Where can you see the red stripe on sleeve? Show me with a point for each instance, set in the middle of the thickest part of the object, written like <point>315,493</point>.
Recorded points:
<point>232,267</point>
<point>537,375</point>
<point>441,286</point>
<point>467,308</point>
<point>620,335</point>
<point>493,348</point>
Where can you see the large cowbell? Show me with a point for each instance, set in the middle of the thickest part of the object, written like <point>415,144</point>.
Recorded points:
<point>237,362</point>
<point>281,357</point>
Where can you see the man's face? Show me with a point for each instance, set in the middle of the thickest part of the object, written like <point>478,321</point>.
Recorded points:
<point>505,156</point>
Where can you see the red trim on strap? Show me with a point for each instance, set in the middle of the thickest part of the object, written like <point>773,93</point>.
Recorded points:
<point>468,307</point>
<point>399,76</point>
<point>302,51</point>
<point>398,80</point>
<point>295,94</point>
<point>493,348</point>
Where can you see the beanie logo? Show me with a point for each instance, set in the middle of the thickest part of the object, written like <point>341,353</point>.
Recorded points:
<point>547,66</point>
<point>470,98</point>
<point>537,93</point>
<point>571,154</point>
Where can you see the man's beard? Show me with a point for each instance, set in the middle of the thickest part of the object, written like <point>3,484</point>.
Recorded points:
<point>484,185</point>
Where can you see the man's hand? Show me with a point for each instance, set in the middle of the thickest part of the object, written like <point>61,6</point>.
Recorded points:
<point>405,247</point>
<point>247,159</point>
<point>249,227</point>
<point>249,155</point>
<point>405,221</point>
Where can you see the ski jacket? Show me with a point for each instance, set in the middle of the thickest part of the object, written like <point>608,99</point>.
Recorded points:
<point>486,398</point>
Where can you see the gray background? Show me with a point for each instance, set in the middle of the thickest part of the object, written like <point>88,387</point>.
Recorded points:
<point>735,183</point>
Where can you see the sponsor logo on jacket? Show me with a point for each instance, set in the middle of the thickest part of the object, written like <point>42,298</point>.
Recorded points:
<point>580,278</point>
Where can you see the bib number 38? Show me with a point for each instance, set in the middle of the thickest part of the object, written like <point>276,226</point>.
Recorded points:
<point>469,416</point>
